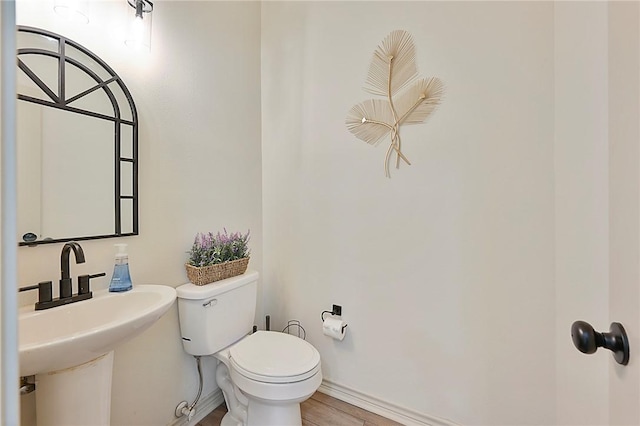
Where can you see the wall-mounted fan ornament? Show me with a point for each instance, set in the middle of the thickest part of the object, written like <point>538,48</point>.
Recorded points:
<point>393,68</point>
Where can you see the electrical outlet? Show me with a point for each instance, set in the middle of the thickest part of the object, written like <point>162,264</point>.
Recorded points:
<point>337,310</point>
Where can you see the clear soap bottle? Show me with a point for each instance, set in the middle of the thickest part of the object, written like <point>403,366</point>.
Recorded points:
<point>121,279</point>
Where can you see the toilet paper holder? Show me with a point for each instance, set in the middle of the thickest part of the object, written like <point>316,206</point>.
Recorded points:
<point>335,310</point>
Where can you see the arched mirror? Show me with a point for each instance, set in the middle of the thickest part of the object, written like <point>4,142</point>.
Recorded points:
<point>77,144</point>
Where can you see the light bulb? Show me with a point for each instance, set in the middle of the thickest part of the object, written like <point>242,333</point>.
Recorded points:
<point>138,35</point>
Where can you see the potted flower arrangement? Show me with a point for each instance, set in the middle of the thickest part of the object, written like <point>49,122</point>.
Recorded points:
<point>216,257</point>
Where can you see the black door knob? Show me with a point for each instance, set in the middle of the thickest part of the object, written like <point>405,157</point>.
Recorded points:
<point>587,340</point>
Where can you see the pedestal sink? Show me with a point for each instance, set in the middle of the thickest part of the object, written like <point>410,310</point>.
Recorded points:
<point>70,350</point>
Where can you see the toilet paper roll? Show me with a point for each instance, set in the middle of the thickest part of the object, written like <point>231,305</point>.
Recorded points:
<point>334,328</point>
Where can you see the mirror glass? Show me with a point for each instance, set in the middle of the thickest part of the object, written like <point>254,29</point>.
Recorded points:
<point>77,144</point>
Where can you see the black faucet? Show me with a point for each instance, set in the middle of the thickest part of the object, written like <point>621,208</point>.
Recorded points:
<point>45,299</point>
<point>65,278</point>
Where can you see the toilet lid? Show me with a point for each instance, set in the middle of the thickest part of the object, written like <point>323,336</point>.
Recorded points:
<point>273,357</point>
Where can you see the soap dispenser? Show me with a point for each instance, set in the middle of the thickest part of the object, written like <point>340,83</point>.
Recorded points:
<point>121,279</point>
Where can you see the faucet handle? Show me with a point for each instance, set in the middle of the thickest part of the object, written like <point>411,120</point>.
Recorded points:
<point>83,282</point>
<point>44,292</point>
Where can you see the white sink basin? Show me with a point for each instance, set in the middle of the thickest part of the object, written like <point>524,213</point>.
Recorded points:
<point>70,335</point>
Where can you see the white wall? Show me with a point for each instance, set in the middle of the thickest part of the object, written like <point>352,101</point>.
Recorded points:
<point>197,95</point>
<point>446,271</point>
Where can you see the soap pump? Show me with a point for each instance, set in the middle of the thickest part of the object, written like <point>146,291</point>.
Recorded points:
<point>121,279</point>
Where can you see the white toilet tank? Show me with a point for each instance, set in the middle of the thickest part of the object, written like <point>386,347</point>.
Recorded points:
<point>214,316</point>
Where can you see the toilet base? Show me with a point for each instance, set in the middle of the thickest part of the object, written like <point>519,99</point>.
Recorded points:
<point>267,415</point>
<point>260,414</point>
<point>228,420</point>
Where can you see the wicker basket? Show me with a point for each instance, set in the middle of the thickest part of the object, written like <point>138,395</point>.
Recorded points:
<point>208,274</point>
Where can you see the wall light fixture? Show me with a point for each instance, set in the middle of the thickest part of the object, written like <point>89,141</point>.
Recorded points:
<point>138,35</point>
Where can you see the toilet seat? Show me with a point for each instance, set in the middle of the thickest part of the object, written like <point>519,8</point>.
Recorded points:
<point>272,357</point>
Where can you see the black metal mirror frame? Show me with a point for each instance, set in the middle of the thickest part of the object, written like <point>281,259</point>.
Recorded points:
<point>59,101</point>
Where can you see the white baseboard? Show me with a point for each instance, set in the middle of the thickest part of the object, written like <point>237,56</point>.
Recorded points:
<point>367,402</point>
<point>391,411</point>
<point>205,406</point>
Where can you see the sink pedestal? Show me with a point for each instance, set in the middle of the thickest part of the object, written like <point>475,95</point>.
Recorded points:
<point>76,396</point>
<point>69,349</point>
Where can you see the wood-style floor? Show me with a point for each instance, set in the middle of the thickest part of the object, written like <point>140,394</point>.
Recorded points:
<point>320,410</point>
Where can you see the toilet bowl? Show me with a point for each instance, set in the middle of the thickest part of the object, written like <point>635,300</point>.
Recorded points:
<point>274,371</point>
<point>264,376</point>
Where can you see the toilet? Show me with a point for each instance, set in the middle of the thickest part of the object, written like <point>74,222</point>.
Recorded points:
<point>263,376</point>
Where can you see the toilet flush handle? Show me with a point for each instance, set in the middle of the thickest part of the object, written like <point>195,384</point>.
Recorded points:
<point>209,303</point>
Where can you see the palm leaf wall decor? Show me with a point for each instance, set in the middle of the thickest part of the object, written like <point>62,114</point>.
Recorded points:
<point>392,70</point>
